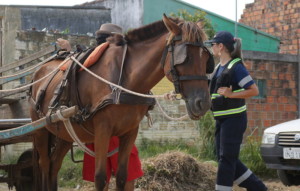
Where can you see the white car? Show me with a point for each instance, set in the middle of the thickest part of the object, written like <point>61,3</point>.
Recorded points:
<point>280,149</point>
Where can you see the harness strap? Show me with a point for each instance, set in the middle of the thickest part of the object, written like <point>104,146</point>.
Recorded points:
<point>41,94</point>
<point>164,56</point>
<point>122,64</point>
<point>183,78</point>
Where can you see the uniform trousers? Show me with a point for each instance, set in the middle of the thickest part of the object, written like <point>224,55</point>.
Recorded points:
<point>228,137</point>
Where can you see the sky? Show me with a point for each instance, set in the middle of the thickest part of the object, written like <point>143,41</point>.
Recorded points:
<point>225,8</point>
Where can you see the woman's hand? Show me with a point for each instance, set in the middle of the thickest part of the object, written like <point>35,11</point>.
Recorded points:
<point>247,93</point>
<point>225,91</point>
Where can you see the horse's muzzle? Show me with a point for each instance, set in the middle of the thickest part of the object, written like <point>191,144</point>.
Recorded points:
<point>198,105</point>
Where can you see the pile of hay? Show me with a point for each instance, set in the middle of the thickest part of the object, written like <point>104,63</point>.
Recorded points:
<point>176,171</point>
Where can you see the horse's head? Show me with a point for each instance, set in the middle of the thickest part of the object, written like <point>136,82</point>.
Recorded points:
<point>186,61</point>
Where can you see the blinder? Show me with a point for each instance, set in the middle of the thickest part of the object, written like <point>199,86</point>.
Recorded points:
<point>179,56</point>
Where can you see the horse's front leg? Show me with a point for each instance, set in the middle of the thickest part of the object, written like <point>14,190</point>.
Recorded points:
<point>101,142</point>
<point>57,156</point>
<point>125,147</point>
<point>41,144</point>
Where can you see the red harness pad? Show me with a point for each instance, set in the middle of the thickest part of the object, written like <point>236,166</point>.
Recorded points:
<point>95,55</point>
<point>92,59</point>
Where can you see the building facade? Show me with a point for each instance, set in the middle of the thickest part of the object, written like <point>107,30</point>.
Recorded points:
<point>280,18</point>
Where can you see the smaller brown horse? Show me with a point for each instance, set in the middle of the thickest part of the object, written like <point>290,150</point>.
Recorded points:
<point>183,59</point>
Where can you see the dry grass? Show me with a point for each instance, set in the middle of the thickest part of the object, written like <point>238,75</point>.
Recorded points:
<point>176,171</point>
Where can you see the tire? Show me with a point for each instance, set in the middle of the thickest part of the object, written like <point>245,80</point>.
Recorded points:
<point>25,185</point>
<point>289,177</point>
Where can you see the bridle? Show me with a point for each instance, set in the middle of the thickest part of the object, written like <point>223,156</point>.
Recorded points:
<point>176,78</point>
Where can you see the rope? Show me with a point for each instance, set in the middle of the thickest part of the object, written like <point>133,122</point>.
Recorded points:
<point>113,84</point>
<point>185,117</point>
<point>100,78</point>
<point>129,91</point>
<point>24,71</point>
<point>37,81</point>
<point>72,133</point>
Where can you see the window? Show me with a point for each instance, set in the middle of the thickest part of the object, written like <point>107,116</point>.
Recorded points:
<point>261,84</point>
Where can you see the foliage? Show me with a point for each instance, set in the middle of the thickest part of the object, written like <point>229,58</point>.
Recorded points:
<point>199,16</point>
<point>207,136</point>
<point>250,156</point>
<point>66,31</point>
<point>70,174</point>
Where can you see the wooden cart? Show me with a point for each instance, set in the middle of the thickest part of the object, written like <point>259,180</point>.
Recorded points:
<point>22,174</point>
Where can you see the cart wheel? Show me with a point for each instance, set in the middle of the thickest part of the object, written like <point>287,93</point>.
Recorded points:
<point>25,184</point>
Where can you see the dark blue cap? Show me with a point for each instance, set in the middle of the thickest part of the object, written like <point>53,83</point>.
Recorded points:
<point>223,37</point>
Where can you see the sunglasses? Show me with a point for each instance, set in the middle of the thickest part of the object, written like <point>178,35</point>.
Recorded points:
<point>209,45</point>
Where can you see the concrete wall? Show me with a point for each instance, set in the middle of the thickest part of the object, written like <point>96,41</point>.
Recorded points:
<point>128,14</point>
<point>77,20</point>
<point>10,24</point>
<point>66,20</point>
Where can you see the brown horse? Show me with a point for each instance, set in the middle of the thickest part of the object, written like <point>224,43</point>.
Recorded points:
<point>147,61</point>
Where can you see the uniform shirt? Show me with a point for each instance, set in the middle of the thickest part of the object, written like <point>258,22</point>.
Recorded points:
<point>241,75</point>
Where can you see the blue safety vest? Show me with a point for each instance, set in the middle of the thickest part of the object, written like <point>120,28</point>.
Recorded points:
<point>223,107</point>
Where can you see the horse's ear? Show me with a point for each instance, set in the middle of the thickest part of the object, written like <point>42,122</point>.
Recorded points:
<point>171,26</point>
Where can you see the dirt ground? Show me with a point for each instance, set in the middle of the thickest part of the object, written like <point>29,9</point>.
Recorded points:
<point>273,185</point>
<point>176,171</point>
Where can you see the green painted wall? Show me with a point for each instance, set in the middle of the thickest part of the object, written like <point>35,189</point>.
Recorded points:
<point>251,38</point>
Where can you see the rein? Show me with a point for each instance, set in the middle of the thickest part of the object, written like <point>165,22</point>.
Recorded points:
<point>176,78</point>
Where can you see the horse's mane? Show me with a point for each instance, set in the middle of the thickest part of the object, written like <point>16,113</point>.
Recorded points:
<point>146,32</point>
<point>191,32</point>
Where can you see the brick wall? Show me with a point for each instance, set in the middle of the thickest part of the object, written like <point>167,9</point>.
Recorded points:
<point>166,129</point>
<point>280,103</point>
<point>280,18</point>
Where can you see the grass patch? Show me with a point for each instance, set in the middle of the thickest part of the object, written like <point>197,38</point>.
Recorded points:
<point>149,148</point>
<point>250,156</point>
<point>70,174</point>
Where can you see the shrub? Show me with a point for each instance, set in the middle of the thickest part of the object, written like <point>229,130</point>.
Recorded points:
<point>250,156</point>
<point>207,137</point>
<point>199,16</point>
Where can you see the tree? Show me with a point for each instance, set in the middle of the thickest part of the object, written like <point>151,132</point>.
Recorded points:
<point>199,16</point>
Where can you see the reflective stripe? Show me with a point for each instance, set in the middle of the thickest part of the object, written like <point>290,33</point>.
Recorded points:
<point>223,188</point>
<point>245,80</point>
<point>242,178</point>
<point>215,95</point>
<point>233,62</point>
<point>239,90</point>
<point>230,111</point>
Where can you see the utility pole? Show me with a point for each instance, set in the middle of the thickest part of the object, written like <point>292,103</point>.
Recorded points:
<point>235,31</point>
